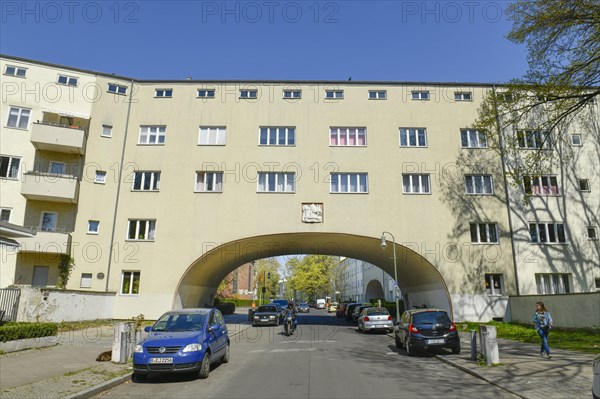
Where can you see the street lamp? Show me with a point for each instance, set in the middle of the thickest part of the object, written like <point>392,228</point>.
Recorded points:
<point>384,246</point>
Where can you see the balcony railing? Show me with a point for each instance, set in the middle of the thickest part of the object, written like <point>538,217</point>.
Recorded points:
<point>41,186</point>
<point>59,138</point>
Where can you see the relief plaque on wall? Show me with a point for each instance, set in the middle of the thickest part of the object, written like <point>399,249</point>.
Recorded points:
<point>312,212</point>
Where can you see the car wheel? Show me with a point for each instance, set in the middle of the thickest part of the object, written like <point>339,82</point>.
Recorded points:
<point>410,351</point>
<point>205,367</point>
<point>456,349</point>
<point>225,358</point>
<point>137,377</point>
<point>398,342</point>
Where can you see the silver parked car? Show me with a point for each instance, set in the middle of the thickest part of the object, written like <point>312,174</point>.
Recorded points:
<point>596,380</point>
<point>375,319</point>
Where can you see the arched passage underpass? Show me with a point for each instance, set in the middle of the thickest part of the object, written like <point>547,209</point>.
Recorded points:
<point>419,280</point>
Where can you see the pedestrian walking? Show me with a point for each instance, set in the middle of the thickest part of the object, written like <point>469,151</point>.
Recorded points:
<point>543,324</point>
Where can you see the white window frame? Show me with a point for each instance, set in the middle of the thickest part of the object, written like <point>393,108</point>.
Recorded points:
<point>106,131</point>
<point>420,95</point>
<point>289,94</point>
<point>583,185</point>
<point>347,133</point>
<point>406,134</point>
<point>22,115</point>
<point>553,283</point>
<point>576,140</point>
<point>150,176</point>
<point>479,184</point>
<point>15,71</point>
<point>116,88</point>
<point>528,139</point>
<point>423,183</point>
<point>131,276</point>
<point>163,93</point>
<point>145,228</point>
<point>157,132</point>
<point>484,233</point>
<point>334,94</point>
<point>541,185</point>
<point>209,182</point>
<point>463,96</point>
<point>5,211</point>
<point>205,93</point>
<point>54,224</point>
<point>474,138</point>
<point>212,135</point>
<point>12,173</point>
<point>377,95</point>
<point>276,182</point>
<point>349,183</point>
<point>494,283</point>
<point>547,233</point>
<point>249,94</point>
<point>86,280</point>
<point>274,134</point>
<point>592,233</point>
<point>100,177</point>
<point>68,80</point>
<point>91,224</point>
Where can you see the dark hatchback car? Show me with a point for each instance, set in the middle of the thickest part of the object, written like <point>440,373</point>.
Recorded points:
<point>426,328</point>
<point>182,341</point>
<point>303,308</point>
<point>350,309</point>
<point>268,315</point>
<point>358,310</point>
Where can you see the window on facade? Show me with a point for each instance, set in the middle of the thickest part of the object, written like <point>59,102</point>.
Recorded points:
<point>93,226</point>
<point>413,137</point>
<point>146,181</point>
<point>67,80</point>
<point>592,232</point>
<point>209,182</point>
<point>493,284</point>
<point>276,182</point>
<point>100,177</point>
<point>541,185</point>
<point>15,71</point>
<point>106,131</point>
<point>348,183</point>
<point>584,184</point>
<point>479,184</point>
<point>130,283</point>
<point>57,168</point>
<point>377,94</point>
<point>484,232</point>
<point>163,93</point>
<point>420,95</point>
<point>552,283</point>
<point>206,93</point>
<point>152,135</point>
<point>117,89</point>
<point>212,135</point>
<point>86,280</point>
<point>416,184</point>
<point>292,94</point>
<point>5,214</point>
<point>576,140</point>
<point>18,117</point>
<point>463,96</point>
<point>547,233</point>
<point>470,138</point>
<point>533,139</point>
<point>277,136</point>
<point>334,94</point>
<point>9,167</point>
<point>49,221</point>
<point>248,93</point>
<point>141,230</point>
<point>347,136</point>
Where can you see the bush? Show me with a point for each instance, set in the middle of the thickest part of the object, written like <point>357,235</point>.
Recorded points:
<point>16,331</point>
<point>226,307</point>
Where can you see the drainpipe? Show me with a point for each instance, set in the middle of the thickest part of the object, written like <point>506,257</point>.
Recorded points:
<point>507,197</point>
<point>120,178</point>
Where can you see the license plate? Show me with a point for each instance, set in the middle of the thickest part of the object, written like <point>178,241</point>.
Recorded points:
<point>161,360</point>
<point>435,341</point>
<point>264,319</point>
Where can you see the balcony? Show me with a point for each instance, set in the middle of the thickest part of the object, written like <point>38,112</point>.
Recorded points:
<point>41,186</point>
<point>58,138</point>
<point>47,242</point>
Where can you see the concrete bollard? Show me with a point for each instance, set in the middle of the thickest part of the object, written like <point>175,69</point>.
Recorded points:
<point>489,344</point>
<point>473,345</point>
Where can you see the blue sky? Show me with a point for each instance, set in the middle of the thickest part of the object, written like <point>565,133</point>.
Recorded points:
<point>436,41</point>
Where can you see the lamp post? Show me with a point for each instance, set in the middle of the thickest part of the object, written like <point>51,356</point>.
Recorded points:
<point>383,246</point>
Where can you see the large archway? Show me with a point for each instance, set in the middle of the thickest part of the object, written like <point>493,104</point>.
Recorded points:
<point>419,281</point>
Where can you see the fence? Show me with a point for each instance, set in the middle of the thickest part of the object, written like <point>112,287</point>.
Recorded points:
<point>9,303</point>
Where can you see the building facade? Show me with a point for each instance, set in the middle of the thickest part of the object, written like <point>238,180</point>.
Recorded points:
<point>156,190</point>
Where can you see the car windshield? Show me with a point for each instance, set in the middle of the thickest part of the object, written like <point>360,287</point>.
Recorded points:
<point>377,312</point>
<point>179,322</point>
<point>431,318</point>
<point>266,309</point>
<point>304,305</point>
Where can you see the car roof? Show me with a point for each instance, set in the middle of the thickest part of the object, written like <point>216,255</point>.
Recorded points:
<point>190,310</point>
<point>420,310</point>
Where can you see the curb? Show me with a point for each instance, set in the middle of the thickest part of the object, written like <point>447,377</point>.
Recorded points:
<point>475,374</point>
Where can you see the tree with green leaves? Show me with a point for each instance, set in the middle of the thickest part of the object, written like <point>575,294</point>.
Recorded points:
<point>267,275</point>
<point>311,274</point>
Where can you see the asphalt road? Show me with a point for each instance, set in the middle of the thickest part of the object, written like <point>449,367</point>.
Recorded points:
<point>326,358</point>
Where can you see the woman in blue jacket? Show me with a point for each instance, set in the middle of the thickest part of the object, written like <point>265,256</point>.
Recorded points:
<point>543,323</point>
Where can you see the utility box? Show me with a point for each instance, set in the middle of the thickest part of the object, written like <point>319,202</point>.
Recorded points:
<point>489,344</point>
<point>122,342</point>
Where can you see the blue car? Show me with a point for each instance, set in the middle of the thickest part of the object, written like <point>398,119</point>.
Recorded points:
<point>182,341</point>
